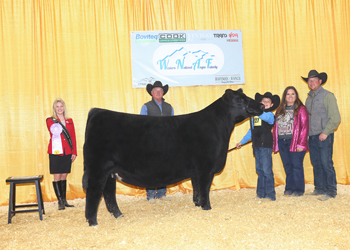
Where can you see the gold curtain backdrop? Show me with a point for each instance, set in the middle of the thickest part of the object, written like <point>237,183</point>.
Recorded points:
<point>79,50</point>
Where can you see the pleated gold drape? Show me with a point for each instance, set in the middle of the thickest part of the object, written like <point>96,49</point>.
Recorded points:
<point>80,50</point>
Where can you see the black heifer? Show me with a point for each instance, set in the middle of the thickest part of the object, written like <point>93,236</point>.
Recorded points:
<point>153,152</point>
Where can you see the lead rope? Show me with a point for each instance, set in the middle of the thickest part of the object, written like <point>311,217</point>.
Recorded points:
<point>251,130</point>
<point>231,149</point>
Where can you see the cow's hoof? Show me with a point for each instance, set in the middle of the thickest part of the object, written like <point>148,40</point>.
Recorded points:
<point>206,208</point>
<point>92,223</point>
<point>118,215</point>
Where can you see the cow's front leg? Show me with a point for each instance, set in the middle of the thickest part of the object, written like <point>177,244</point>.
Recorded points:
<point>109,196</point>
<point>204,183</point>
<point>196,196</point>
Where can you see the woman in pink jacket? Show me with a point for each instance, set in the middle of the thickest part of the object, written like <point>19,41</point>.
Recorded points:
<point>290,138</point>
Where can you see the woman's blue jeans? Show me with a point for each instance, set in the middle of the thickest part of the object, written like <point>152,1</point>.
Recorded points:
<point>293,163</point>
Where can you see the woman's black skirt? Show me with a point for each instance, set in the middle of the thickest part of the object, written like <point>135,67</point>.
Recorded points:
<point>60,164</point>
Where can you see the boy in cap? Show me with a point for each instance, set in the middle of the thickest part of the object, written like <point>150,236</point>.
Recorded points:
<point>261,136</point>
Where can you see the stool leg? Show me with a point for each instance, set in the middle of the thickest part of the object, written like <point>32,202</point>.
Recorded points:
<point>14,198</point>
<point>10,203</point>
<point>39,200</point>
<point>41,197</point>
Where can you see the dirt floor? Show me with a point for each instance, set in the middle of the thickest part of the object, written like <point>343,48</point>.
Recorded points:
<point>238,220</point>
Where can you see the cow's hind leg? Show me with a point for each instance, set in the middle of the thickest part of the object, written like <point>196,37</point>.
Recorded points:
<point>93,196</point>
<point>109,196</point>
<point>196,196</point>
<point>95,186</point>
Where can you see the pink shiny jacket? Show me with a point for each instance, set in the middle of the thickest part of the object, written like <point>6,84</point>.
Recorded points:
<point>300,132</point>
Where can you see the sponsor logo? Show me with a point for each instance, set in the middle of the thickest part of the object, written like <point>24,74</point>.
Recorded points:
<point>189,59</point>
<point>146,38</point>
<point>222,35</point>
<point>199,36</point>
<point>233,37</point>
<point>227,79</point>
<point>172,37</point>
<point>144,81</point>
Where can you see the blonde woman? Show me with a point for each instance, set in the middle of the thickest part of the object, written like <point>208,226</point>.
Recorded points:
<point>62,149</point>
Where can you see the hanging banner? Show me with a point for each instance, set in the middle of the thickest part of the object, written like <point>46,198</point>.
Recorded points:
<point>187,58</point>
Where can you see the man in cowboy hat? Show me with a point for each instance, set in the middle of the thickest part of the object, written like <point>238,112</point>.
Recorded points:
<point>324,118</point>
<point>157,107</point>
<point>261,135</point>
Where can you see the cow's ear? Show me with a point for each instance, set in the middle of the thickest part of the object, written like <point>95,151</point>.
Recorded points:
<point>228,93</point>
<point>240,90</point>
<point>228,96</point>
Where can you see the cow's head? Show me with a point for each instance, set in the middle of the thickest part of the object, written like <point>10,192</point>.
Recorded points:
<point>243,103</point>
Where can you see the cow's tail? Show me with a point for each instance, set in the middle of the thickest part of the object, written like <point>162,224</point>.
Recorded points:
<point>91,114</point>
<point>85,181</point>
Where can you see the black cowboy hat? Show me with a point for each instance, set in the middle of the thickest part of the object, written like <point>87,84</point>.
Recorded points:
<point>157,84</point>
<point>314,73</point>
<point>274,98</point>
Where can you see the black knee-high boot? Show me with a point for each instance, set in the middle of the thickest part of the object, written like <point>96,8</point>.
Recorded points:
<point>58,192</point>
<point>64,188</point>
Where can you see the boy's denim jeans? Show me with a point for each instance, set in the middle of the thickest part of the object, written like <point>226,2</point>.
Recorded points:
<point>266,181</point>
<point>321,155</point>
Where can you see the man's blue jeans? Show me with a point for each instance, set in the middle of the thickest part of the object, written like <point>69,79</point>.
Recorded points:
<point>293,163</point>
<point>266,181</point>
<point>321,155</point>
<point>155,193</point>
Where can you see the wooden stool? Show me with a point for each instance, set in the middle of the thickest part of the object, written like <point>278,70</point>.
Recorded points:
<point>12,202</point>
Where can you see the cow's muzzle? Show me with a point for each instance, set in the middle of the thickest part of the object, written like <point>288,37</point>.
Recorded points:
<point>253,107</point>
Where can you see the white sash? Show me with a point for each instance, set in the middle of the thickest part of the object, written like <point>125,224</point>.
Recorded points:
<point>56,130</point>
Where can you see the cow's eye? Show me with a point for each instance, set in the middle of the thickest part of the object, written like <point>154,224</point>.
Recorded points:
<point>238,100</point>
